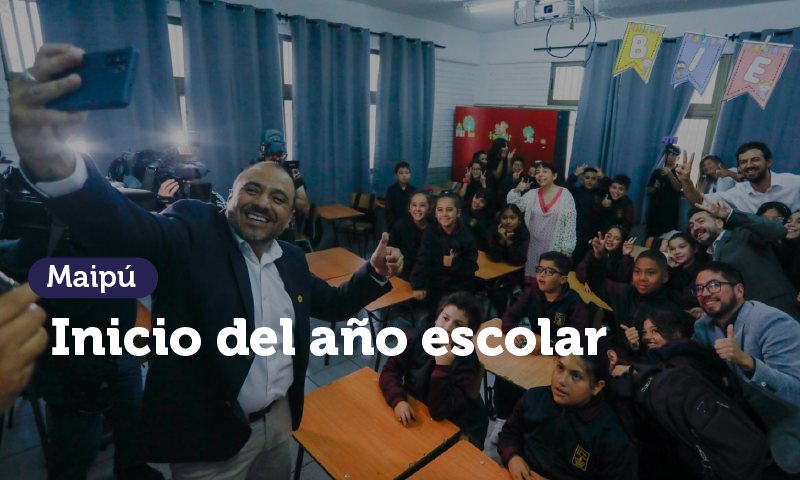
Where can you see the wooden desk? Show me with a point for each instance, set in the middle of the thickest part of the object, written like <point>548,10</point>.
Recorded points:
<point>527,372</point>
<point>576,285</point>
<point>337,214</point>
<point>334,262</point>
<point>462,461</point>
<point>401,292</point>
<point>489,270</point>
<point>353,434</point>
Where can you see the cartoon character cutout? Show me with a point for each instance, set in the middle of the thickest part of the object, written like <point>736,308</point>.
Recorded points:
<point>679,68</point>
<point>646,64</point>
<point>459,131</point>
<point>528,132</point>
<point>763,89</point>
<point>500,131</point>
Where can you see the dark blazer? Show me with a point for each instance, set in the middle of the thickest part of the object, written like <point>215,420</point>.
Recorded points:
<point>745,244</point>
<point>190,411</point>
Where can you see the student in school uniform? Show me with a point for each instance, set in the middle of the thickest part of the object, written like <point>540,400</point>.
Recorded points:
<point>618,263</point>
<point>587,194</point>
<point>448,384</point>
<point>407,232</point>
<point>615,208</point>
<point>448,255</point>
<point>499,159</point>
<point>398,194</point>
<point>549,297</point>
<point>788,252</point>
<point>474,180</point>
<point>567,431</point>
<point>507,242</point>
<point>550,216</point>
<point>686,262</point>
<point>632,301</point>
<point>510,182</point>
<point>475,216</point>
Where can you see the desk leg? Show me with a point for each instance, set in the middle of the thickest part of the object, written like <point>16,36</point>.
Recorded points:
<point>488,395</point>
<point>298,465</point>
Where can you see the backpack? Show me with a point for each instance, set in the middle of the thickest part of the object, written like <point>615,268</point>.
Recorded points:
<point>704,430</point>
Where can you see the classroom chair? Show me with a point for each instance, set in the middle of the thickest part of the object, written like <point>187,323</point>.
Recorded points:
<point>364,226</point>
<point>306,228</point>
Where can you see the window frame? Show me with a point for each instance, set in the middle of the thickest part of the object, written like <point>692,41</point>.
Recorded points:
<point>711,111</point>
<point>553,67</point>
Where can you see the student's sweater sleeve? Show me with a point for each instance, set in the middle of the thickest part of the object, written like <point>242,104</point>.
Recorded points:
<point>422,267</point>
<point>450,385</point>
<point>579,317</point>
<point>628,216</point>
<point>466,263</point>
<point>779,372</point>
<point>517,311</point>
<point>755,229</point>
<point>571,180</point>
<point>516,198</point>
<point>392,376</point>
<point>511,439</point>
<point>620,462</point>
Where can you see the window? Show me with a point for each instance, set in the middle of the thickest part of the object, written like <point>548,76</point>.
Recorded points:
<point>22,33</point>
<point>566,79</point>
<point>175,31</point>
<point>287,73</point>
<point>696,131</point>
<point>374,68</point>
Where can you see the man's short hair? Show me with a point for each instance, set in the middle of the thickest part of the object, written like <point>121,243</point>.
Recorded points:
<point>726,270</point>
<point>562,262</point>
<point>623,180</point>
<point>589,169</point>
<point>657,257</point>
<point>400,165</point>
<point>694,210</point>
<point>765,151</point>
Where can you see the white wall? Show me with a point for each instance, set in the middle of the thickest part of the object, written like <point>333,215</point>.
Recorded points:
<point>455,86</point>
<point>516,47</point>
<point>6,144</point>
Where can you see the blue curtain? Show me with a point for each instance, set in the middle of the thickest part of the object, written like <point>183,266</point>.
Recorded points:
<point>404,125</point>
<point>152,118</point>
<point>621,120</point>
<point>233,83</point>
<point>331,108</point>
<point>742,119</point>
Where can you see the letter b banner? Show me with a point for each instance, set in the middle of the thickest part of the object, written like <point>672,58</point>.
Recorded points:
<point>639,49</point>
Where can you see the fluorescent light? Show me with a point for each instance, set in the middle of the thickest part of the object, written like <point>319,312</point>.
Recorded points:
<point>487,5</point>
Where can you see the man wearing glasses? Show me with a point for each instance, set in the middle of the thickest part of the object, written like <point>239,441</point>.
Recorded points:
<point>760,344</point>
<point>745,240</point>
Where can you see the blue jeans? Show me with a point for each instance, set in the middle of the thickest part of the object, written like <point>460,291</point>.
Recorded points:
<point>76,437</point>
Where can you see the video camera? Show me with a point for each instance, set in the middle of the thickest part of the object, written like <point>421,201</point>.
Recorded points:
<point>151,168</point>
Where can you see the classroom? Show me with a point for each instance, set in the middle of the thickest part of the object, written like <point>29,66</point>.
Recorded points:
<point>399,239</point>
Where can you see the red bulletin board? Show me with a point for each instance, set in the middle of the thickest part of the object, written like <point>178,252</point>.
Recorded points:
<point>548,142</point>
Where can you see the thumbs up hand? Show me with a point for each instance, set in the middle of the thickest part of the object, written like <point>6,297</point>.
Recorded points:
<point>387,261</point>
<point>448,259</point>
<point>632,334</point>
<point>729,350</point>
<point>606,202</point>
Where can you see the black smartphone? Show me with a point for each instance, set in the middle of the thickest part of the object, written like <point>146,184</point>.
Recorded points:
<point>107,81</point>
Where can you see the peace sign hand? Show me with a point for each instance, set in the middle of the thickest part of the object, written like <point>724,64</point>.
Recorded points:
<point>720,210</point>
<point>483,179</point>
<point>684,170</point>
<point>599,245</point>
<point>627,247</point>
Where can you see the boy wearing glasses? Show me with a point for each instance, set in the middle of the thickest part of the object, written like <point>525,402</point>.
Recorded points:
<point>759,343</point>
<point>550,296</point>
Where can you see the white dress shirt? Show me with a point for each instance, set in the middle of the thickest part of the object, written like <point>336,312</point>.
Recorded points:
<point>784,188</point>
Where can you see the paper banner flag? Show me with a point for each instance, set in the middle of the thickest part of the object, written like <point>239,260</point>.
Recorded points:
<point>757,70</point>
<point>639,49</point>
<point>696,60</point>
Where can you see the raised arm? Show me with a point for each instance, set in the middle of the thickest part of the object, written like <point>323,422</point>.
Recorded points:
<point>684,173</point>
